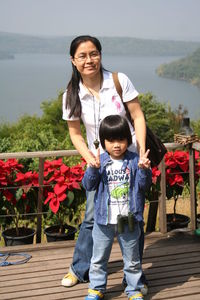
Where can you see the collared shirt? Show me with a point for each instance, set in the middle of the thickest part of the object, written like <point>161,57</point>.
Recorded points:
<point>109,103</point>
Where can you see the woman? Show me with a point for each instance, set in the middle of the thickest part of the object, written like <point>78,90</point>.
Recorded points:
<point>91,96</point>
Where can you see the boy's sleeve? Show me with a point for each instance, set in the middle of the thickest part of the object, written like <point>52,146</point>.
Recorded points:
<point>91,179</point>
<point>144,178</point>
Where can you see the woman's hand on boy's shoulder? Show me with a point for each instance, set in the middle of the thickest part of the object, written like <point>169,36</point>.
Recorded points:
<point>144,162</point>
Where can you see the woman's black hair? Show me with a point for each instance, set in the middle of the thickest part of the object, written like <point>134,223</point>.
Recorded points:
<point>73,101</point>
<point>114,127</point>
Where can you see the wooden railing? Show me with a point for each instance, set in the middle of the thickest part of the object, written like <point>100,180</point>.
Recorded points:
<point>162,198</point>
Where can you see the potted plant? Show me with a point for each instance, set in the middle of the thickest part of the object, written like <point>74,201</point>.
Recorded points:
<point>177,181</point>
<point>18,197</point>
<point>64,195</point>
<point>177,178</point>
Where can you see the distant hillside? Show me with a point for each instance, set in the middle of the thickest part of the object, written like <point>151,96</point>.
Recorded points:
<point>18,43</point>
<point>183,69</point>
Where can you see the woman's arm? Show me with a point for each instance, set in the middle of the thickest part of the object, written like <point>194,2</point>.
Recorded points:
<point>139,124</point>
<point>79,142</point>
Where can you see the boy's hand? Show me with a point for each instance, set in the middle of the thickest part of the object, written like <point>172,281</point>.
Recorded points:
<point>144,162</point>
<point>96,161</point>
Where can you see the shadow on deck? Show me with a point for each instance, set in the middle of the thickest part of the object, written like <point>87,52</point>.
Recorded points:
<point>171,264</point>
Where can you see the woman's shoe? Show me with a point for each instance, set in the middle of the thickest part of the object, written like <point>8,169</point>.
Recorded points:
<point>69,280</point>
<point>94,295</point>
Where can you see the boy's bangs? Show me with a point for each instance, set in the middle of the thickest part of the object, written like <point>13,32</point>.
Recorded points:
<point>116,133</point>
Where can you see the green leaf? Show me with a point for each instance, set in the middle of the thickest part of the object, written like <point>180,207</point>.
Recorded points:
<point>70,198</point>
<point>19,193</point>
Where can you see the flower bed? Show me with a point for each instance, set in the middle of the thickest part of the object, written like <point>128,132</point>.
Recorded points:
<point>177,176</point>
<point>19,191</point>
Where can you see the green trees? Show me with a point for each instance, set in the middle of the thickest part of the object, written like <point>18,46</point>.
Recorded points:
<point>32,133</point>
<point>50,132</point>
<point>183,69</point>
<point>161,118</point>
<point>155,114</point>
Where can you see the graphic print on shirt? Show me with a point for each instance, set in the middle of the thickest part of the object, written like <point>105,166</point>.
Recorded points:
<point>120,191</point>
<point>118,182</point>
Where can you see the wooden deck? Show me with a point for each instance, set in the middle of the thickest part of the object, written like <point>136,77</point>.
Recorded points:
<point>171,263</point>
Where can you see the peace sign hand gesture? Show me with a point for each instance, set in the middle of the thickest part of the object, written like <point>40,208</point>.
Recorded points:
<point>144,162</point>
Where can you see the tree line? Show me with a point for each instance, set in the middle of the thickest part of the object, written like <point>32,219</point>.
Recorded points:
<point>20,43</point>
<point>187,69</point>
<point>50,132</point>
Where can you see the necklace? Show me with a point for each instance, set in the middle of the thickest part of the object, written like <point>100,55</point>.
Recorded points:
<point>96,118</point>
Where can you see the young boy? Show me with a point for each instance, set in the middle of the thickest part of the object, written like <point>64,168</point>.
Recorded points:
<point>119,203</point>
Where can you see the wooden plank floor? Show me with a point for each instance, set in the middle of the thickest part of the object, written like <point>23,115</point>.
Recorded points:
<point>171,264</point>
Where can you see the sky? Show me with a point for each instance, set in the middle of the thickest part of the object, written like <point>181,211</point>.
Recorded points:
<point>154,19</point>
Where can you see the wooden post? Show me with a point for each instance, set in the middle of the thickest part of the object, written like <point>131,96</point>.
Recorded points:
<point>193,200</point>
<point>40,199</point>
<point>162,199</point>
<point>152,214</point>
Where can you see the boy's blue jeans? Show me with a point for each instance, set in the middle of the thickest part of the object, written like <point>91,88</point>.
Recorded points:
<point>84,245</point>
<point>103,237</point>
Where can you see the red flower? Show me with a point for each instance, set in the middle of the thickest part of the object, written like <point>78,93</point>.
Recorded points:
<point>182,159</point>
<point>170,160</point>
<point>63,184</point>
<point>63,179</point>
<point>173,178</point>
<point>12,164</point>
<point>50,166</point>
<point>177,174</point>
<point>3,179</point>
<point>9,196</point>
<point>155,174</point>
<point>54,201</point>
<point>29,178</point>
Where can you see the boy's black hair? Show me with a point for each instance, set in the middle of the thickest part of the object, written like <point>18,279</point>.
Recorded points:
<point>114,127</point>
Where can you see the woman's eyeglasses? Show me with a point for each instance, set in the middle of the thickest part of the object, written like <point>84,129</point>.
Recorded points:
<point>83,57</point>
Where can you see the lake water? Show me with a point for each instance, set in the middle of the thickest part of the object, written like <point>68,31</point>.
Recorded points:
<point>30,79</point>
